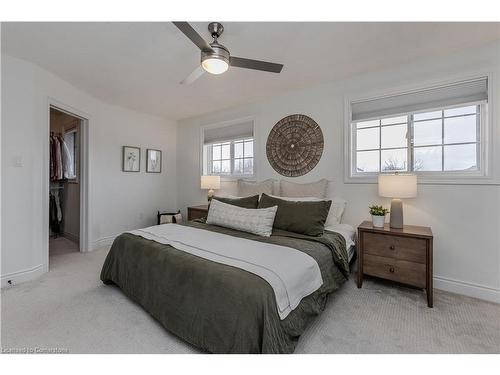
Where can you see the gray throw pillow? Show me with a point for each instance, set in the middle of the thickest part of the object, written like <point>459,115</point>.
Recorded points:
<point>299,217</point>
<point>245,202</point>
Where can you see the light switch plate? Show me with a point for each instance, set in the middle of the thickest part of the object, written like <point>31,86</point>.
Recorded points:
<point>18,161</point>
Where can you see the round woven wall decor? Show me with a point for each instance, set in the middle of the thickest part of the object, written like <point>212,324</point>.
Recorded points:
<point>294,145</point>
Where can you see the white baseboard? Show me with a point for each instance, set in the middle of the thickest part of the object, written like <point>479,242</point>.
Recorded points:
<point>102,242</point>
<point>22,276</point>
<point>468,289</point>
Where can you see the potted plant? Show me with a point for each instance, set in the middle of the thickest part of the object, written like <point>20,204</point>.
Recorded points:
<point>378,215</point>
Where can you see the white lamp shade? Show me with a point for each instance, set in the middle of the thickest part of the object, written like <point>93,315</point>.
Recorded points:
<point>215,65</point>
<point>397,185</point>
<point>210,182</point>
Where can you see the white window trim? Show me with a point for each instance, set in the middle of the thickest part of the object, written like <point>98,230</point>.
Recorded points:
<point>483,176</point>
<point>222,124</point>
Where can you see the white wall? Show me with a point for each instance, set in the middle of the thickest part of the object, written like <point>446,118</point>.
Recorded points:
<point>464,218</point>
<point>118,201</point>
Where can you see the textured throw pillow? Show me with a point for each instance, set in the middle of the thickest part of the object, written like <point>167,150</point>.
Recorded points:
<point>245,202</point>
<point>246,188</point>
<point>316,189</point>
<point>298,216</point>
<point>256,221</point>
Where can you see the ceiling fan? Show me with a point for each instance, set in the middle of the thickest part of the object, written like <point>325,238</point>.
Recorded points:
<point>215,58</point>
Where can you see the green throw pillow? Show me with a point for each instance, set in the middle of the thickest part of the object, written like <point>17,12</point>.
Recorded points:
<point>299,217</point>
<point>245,202</point>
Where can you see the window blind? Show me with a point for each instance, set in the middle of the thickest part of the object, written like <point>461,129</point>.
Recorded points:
<point>228,133</point>
<point>472,91</point>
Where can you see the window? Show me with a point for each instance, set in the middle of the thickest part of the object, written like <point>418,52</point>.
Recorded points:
<point>426,139</point>
<point>71,145</point>
<point>243,156</point>
<point>229,150</point>
<point>447,140</point>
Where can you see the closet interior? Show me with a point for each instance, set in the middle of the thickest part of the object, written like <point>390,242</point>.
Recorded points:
<point>64,195</point>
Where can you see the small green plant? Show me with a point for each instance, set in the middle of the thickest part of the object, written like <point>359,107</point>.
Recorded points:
<point>378,210</point>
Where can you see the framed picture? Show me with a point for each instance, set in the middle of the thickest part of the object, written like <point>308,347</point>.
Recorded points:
<point>131,159</point>
<point>153,161</point>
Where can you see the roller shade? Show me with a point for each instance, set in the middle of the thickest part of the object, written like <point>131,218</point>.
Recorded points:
<point>432,98</point>
<point>228,133</point>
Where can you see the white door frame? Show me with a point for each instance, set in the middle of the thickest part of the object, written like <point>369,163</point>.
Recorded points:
<point>84,179</point>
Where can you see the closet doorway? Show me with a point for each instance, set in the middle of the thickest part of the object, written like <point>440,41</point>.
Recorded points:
<point>65,203</point>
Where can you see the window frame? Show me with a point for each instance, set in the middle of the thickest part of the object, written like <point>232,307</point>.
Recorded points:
<point>203,154</point>
<point>482,175</point>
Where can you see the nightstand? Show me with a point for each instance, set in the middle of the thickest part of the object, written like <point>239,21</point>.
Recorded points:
<point>197,212</point>
<point>401,255</point>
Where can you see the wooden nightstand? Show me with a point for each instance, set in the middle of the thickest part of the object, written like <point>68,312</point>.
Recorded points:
<point>402,255</point>
<point>197,212</point>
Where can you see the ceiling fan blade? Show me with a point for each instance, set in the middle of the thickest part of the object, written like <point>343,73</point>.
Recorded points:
<point>241,62</point>
<point>195,74</point>
<point>191,33</point>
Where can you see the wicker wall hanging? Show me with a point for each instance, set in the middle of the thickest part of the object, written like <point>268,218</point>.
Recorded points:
<point>294,145</point>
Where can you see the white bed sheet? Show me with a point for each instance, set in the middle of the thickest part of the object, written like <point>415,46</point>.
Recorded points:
<point>349,233</point>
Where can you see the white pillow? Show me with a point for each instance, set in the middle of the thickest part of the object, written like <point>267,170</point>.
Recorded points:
<point>253,220</point>
<point>248,188</point>
<point>336,209</point>
<point>316,189</point>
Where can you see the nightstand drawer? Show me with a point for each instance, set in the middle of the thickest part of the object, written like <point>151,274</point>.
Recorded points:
<point>397,247</point>
<point>393,269</point>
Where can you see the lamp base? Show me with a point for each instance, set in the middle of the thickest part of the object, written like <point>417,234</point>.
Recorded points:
<point>210,195</point>
<point>396,221</point>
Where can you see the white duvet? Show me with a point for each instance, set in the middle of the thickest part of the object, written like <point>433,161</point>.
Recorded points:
<point>292,274</point>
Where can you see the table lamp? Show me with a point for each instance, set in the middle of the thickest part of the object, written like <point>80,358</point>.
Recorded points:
<point>210,183</point>
<point>397,186</point>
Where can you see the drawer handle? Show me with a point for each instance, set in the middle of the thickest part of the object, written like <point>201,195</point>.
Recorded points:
<point>391,270</point>
<point>392,247</point>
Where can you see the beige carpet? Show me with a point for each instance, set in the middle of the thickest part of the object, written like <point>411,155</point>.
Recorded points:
<point>69,308</point>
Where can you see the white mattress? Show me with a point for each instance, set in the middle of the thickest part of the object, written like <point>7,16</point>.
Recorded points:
<point>349,233</point>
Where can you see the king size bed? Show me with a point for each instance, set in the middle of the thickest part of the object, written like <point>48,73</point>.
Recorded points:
<point>226,290</point>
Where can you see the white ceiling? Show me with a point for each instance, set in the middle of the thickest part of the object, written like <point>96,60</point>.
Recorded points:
<point>140,65</point>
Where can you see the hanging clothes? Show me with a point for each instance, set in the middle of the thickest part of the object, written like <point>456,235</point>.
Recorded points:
<point>54,222</point>
<point>58,149</point>
<point>58,206</point>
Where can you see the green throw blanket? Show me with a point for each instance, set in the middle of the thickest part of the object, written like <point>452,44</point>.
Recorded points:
<point>220,308</point>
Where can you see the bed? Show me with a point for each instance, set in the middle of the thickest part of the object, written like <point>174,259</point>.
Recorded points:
<point>217,307</point>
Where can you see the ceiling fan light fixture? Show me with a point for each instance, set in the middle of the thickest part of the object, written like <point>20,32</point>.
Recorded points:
<point>215,61</point>
<point>215,58</point>
<point>215,65</point>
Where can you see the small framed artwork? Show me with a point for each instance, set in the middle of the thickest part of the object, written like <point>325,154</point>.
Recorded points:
<point>131,159</point>
<point>153,161</point>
